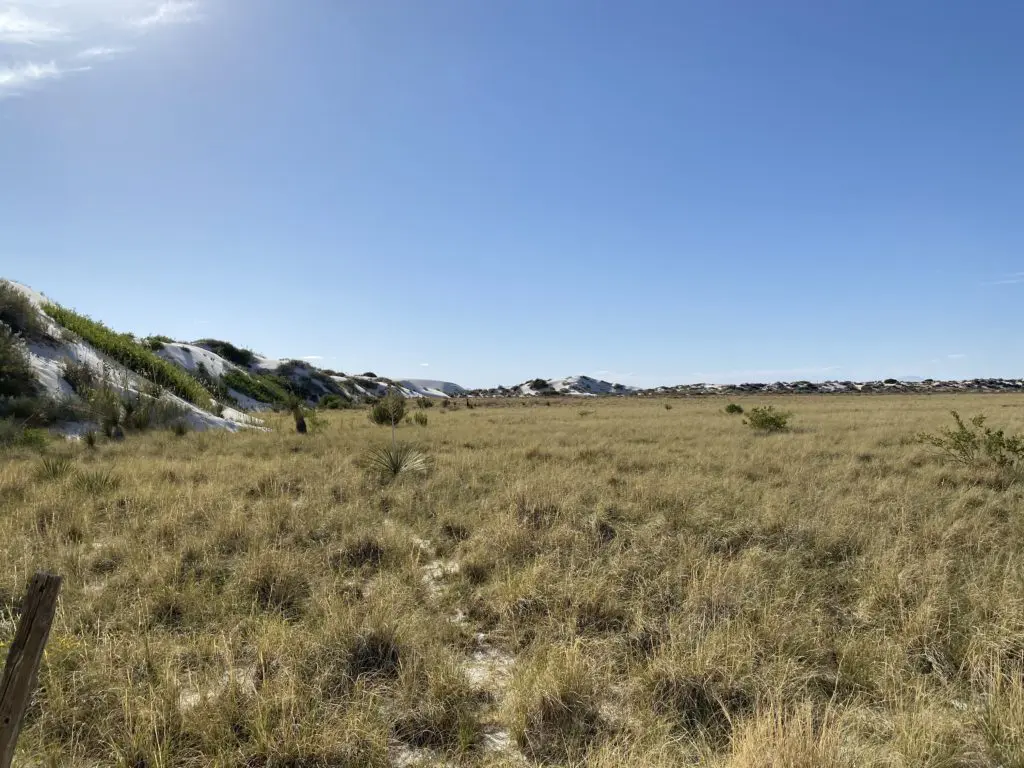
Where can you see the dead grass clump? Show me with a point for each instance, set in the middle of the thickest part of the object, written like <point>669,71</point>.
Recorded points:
<point>553,708</point>
<point>273,583</point>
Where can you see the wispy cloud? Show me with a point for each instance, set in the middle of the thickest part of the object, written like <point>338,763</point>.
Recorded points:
<point>170,12</point>
<point>43,40</point>
<point>1011,279</point>
<point>22,77</point>
<point>956,356</point>
<point>100,52</point>
<point>18,28</point>
<point>424,365</point>
<point>312,357</point>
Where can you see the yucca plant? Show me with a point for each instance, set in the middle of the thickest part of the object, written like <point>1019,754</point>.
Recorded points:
<point>397,459</point>
<point>54,468</point>
<point>97,481</point>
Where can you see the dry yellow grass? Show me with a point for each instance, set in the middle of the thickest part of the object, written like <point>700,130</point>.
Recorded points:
<point>597,583</point>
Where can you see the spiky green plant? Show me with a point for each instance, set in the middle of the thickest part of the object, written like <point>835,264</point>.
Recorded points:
<point>397,459</point>
<point>54,468</point>
<point>97,481</point>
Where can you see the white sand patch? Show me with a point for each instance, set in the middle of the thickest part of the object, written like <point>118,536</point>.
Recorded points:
<point>431,388</point>
<point>247,403</point>
<point>194,695</point>
<point>190,357</point>
<point>267,363</point>
<point>487,667</point>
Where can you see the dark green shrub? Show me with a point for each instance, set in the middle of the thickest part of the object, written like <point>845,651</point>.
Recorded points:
<point>668,406</point>
<point>17,379</point>
<point>14,434</point>
<point>977,444</point>
<point>424,402</point>
<point>767,419</point>
<point>733,408</point>
<point>41,410</point>
<point>264,387</point>
<point>19,314</point>
<point>334,402</point>
<point>227,350</point>
<point>132,355</point>
<point>156,343</point>
<point>389,410</point>
<point>80,376</point>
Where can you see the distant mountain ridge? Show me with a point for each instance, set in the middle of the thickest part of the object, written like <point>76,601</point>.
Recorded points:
<point>586,386</point>
<point>224,382</point>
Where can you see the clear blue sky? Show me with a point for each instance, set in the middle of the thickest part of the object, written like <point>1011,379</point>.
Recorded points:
<point>651,192</point>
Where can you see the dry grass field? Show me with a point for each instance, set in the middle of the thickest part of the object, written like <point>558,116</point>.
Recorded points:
<point>601,583</point>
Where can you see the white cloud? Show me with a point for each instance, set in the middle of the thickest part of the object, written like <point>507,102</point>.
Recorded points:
<point>64,35</point>
<point>424,365</point>
<point>18,28</point>
<point>21,77</point>
<point>312,357</point>
<point>100,52</point>
<point>171,12</point>
<point>956,356</point>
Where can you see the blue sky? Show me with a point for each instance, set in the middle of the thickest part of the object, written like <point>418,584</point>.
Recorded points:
<point>486,191</point>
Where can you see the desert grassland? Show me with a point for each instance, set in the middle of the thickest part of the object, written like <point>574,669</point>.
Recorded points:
<point>601,582</point>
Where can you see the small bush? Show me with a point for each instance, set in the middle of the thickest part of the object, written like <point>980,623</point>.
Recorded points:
<point>13,434</point>
<point>389,410</point>
<point>333,402</point>
<point>156,343</point>
<point>976,444</point>
<point>767,419</point>
<point>227,350</point>
<point>18,313</point>
<point>733,409</point>
<point>420,419</point>
<point>668,406</point>
<point>80,376</point>
<point>424,402</point>
<point>17,379</point>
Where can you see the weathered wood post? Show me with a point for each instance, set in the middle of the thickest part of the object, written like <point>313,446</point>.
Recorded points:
<point>23,658</point>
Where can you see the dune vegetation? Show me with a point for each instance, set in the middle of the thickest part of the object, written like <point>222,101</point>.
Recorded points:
<point>601,583</point>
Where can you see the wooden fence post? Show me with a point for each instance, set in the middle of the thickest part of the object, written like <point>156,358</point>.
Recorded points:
<point>23,658</point>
